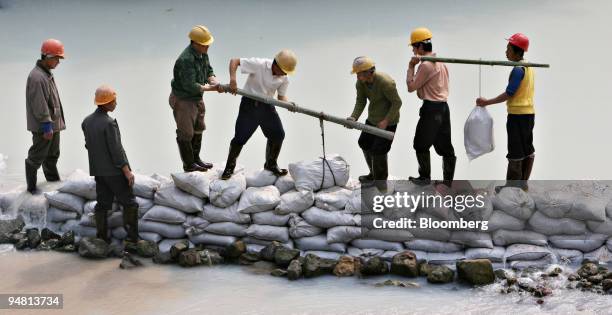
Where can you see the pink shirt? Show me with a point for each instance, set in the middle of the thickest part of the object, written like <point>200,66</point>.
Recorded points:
<point>431,81</point>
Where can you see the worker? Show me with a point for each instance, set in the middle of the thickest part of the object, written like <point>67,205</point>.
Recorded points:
<point>193,75</point>
<point>109,165</point>
<point>521,114</point>
<point>434,126</point>
<point>267,77</point>
<point>383,112</point>
<point>45,115</point>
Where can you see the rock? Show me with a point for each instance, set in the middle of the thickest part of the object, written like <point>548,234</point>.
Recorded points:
<point>405,264</point>
<point>66,239</point>
<point>441,274</point>
<point>606,285</point>
<point>501,274</point>
<point>116,250</point>
<point>178,248</point>
<point>48,244</point>
<point>596,279</point>
<point>33,238</point>
<point>345,267</point>
<point>189,258</point>
<point>608,275</point>
<point>314,266</point>
<point>542,291</point>
<point>424,268</point>
<point>511,281</point>
<point>17,237</point>
<point>142,248</point>
<point>12,226</point>
<point>573,277</point>
<point>235,250</point>
<point>588,269</point>
<point>374,266</point>
<point>129,262</point>
<point>397,283</point>
<point>540,301</point>
<point>67,248</point>
<point>163,258</point>
<point>283,256</point>
<point>47,234</point>
<point>526,284</point>
<point>22,244</point>
<point>555,272</point>
<point>279,273</point>
<point>248,258</point>
<point>91,247</point>
<point>267,253</point>
<point>294,271</point>
<point>210,257</point>
<point>476,271</point>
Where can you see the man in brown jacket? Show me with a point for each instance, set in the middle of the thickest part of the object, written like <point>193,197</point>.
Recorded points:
<point>45,115</point>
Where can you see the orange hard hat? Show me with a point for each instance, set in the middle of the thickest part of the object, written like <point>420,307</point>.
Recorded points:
<point>104,95</point>
<point>52,48</point>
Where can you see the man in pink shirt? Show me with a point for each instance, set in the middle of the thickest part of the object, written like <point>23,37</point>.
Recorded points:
<point>434,127</point>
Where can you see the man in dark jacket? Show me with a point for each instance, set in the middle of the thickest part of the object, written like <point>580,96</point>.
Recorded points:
<point>45,115</point>
<point>109,164</point>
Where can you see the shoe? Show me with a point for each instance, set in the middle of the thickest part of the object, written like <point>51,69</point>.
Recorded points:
<point>196,146</point>
<point>101,218</point>
<point>514,175</point>
<point>186,152</point>
<point>424,170</point>
<point>230,164</point>
<point>272,152</point>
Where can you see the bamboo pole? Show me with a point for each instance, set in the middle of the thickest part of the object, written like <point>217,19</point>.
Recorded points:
<point>321,115</point>
<point>484,62</point>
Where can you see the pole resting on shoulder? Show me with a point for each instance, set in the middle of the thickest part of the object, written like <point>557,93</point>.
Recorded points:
<point>485,62</point>
<point>321,115</point>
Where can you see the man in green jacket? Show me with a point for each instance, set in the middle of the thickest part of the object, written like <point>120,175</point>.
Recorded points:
<point>193,75</point>
<point>383,112</point>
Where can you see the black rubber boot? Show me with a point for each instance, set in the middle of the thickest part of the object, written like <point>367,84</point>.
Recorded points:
<point>514,175</point>
<point>102,225</point>
<point>50,171</point>
<point>448,170</point>
<point>273,149</point>
<point>196,146</point>
<point>370,177</point>
<point>130,223</point>
<point>380,172</point>
<point>31,171</point>
<point>186,152</point>
<point>230,164</point>
<point>526,168</point>
<point>424,170</point>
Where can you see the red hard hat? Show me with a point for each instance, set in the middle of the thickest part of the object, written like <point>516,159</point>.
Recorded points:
<point>519,40</point>
<point>52,47</point>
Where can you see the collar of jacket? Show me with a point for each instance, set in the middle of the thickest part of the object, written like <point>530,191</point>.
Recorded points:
<point>39,63</point>
<point>101,110</point>
<point>195,53</point>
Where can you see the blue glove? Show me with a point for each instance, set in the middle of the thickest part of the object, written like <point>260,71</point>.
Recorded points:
<point>47,127</point>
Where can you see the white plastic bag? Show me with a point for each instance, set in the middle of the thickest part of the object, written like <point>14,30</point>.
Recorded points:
<point>478,133</point>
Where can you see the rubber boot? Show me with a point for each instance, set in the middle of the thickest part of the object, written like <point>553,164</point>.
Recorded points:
<point>273,149</point>
<point>130,223</point>
<point>186,152</point>
<point>448,170</point>
<point>526,168</point>
<point>230,164</point>
<point>50,171</point>
<point>102,225</point>
<point>196,146</point>
<point>424,170</point>
<point>514,175</point>
<point>367,178</point>
<point>380,172</point>
<point>31,171</point>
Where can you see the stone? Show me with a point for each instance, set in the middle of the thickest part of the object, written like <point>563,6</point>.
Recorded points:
<point>33,238</point>
<point>47,234</point>
<point>210,257</point>
<point>267,253</point>
<point>511,281</point>
<point>278,273</point>
<point>542,291</point>
<point>189,258</point>
<point>374,266</point>
<point>501,274</point>
<point>129,262</point>
<point>91,247</point>
<point>405,264</point>
<point>178,248</point>
<point>345,267</point>
<point>12,226</point>
<point>163,258</point>
<point>606,285</point>
<point>116,250</point>
<point>66,239</point>
<point>608,275</point>
<point>146,249</point>
<point>17,237</point>
<point>440,274</point>
<point>235,250</point>
<point>314,266</point>
<point>573,277</point>
<point>475,271</point>
<point>283,256</point>
<point>588,269</point>
<point>22,244</point>
<point>70,248</point>
<point>397,283</point>
<point>555,272</point>
<point>294,271</point>
<point>48,244</point>
<point>526,284</point>
<point>596,279</point>
<point>248,258</point>
<point>424,268</point>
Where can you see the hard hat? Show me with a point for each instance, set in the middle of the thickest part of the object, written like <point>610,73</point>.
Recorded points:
<point>420,34</point>
<point>286,60</point>
<point>201,35</point>
<point>52,48</point>
<point>362,63</point>
<point>519,40</point>
<point>104,95</point>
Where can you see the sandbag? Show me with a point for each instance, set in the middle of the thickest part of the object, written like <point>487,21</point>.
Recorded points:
<point>526,252</point>
<point>353,204</point>
<point>195,224</point>
<point>213,213</point>
<point>365,253</point>
<point>333,198</point>
<point>227,228</point>
<point>567,256</point>
<point>165,214</point>
<point>212,239</point>
<point>323,254</point>
<point>57,215</point>
<point>144,205</point>
<point>354,184</point>
<point>259,199</point>
<point>163,229</point>
<point>500,220</point>
<point>285,184</point>
<point>120,233</point>
<point>472,239</point>
<point>598,227</point>
<point>7,200</point>
<point>433,246</point>
<point>151,237</point>
<point>163,180</point>
<point>85,231</point>
<point>378,244</point>
<point>81,184</point>
<point>445,258</point>
<point>298,227</point>
<point>170,196</point>
<point>505,238</point>
<point>268,232</point>
<point>495,254</point>
<point>476,212</point>
<point>575,201</point>
<point>343,234</point>
<point>114,219</point>
<point>295,201</point>
<point>515,202</point>
<point>609,244</point>
<point>584,243</point>
<point>254,248</point>
<point>441,235</point>
<point>318,174</point>
<point>260,178</point>
<point>601,255</point>
<point>319,243</point>
<point>165,245</point>
<point>538,263</point>
<point>551,226</point>
<point>146,186</point>
<point>194,183</point>
<point>390,235</point>
<point>327,219</point>
<point>65,201</point>
<point>270,218</point>
<point>70,225</point>
<point>254,240</point>
<point>224,193</point>
<point>478,133</point>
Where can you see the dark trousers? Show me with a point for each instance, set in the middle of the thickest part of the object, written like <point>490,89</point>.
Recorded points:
<point>46,153</point>
<point>375,144</point>
<point>109,188</point>
<point>255,114</point>
<point>434,128</point>
<point>520,136</point>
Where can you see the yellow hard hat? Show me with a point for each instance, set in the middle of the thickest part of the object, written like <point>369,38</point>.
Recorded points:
<point>201,35</point>
<point>104,95</point>
<point>420,34</point>
<point>362,63</point>
<point>286,60</point>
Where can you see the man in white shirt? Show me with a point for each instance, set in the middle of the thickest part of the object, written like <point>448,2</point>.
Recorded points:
<point>266,77</point>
